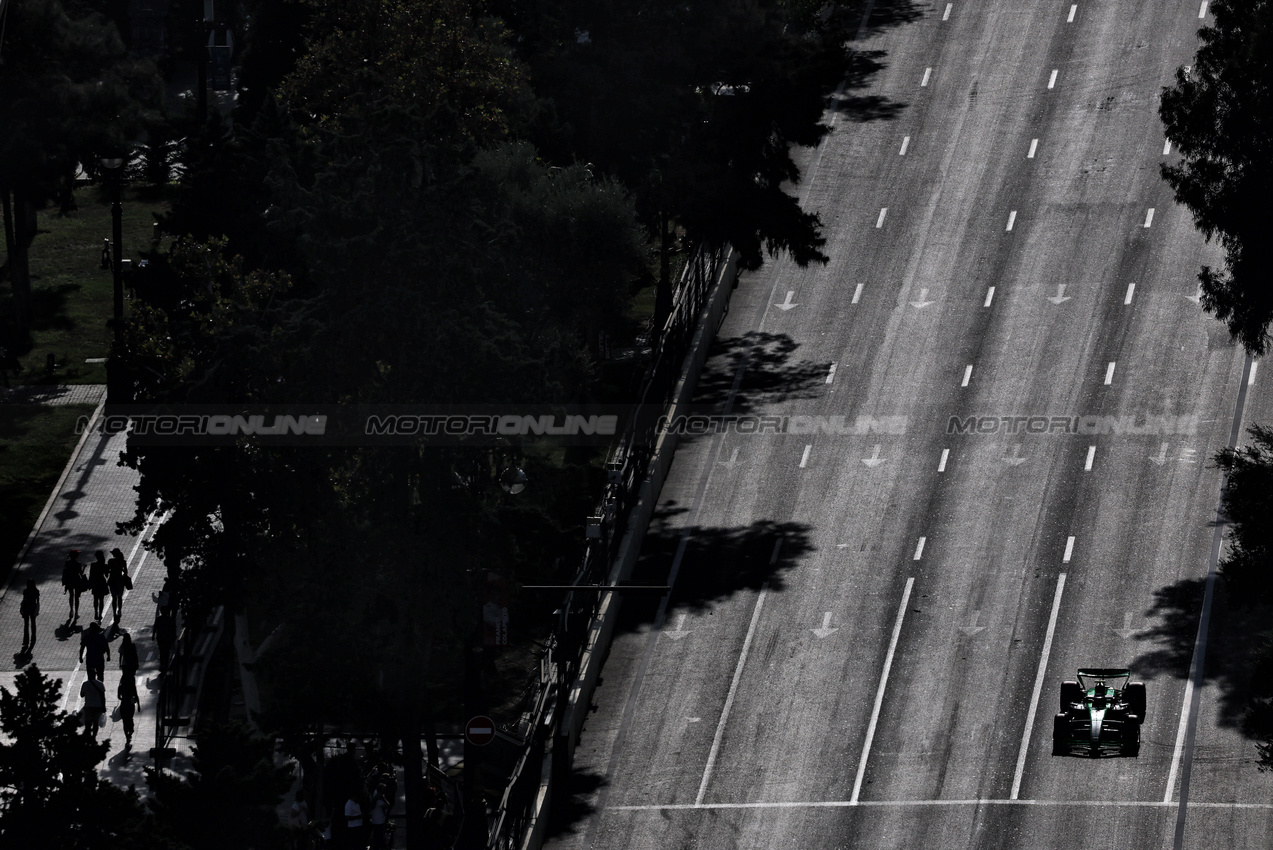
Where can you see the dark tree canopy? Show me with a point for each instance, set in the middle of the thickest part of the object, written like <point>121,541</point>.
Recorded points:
<point>1219,115</point>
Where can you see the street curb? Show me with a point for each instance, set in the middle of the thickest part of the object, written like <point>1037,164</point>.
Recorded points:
<point>601,630</point>
<point>21,561</point>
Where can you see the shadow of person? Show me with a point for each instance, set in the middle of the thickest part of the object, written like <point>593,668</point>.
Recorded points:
<point>22,657</point>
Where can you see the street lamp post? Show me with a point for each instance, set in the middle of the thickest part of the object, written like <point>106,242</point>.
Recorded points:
<point>113,167</point>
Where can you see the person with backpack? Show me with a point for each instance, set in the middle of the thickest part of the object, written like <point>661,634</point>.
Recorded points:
<point>73,582</point>
<point>29,609</point>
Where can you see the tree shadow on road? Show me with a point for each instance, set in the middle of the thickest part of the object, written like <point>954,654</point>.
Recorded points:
<point>772,373</point>
<point>1231,644</point>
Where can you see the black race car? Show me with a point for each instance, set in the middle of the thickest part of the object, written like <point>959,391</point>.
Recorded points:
<point>1100,714</point>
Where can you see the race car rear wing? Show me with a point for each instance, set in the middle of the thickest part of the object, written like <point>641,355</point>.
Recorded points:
<point>1104,672</point>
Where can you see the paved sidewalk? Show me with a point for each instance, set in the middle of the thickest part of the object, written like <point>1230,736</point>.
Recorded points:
<point>53,394</point>
<point>93,494</point>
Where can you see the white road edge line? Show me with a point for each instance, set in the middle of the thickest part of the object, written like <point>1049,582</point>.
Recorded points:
<point>733,689</point>
<point>1038,687</point>
<point>1180,742</point>
<point>941,464</point>
<point>879,692</point>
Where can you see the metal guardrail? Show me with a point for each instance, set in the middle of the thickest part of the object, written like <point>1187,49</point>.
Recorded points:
<point>626,470</point>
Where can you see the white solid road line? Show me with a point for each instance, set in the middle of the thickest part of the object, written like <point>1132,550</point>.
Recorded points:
<point>927,73</point>
<point>967,375</point>
<point>941,464</point>
<point>1149,217</point>
<point>1034,146</point>
<point>1038,687</point>
<point>733,689</point>
<point>879,222</point>
<point>1052,79</point>
<point>850,804</point>
<point>804,458</point>
<point>1091,456</point>
<point>1069,550</point>
<point>879,692</point>
<point>1070,19</point>
<point>1109,373</point>
<point>1012,219</point>
<point>990,294</point>
<point>1180,742</point>
<point>831,374</point>
<point>1131,288</point>
<point>919,549</point>
<point>906,142</point>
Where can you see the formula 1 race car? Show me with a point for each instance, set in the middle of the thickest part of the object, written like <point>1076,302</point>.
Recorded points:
<point>1100,714</point>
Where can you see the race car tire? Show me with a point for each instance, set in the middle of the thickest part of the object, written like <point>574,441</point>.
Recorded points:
<point>1132,747</point>
<point>1060,734</point>
<point>1070,694</point>
<point>1136,698</point>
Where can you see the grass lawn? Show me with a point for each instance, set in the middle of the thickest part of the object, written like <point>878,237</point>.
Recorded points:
<point>35,443</point>
<point>70,292</point>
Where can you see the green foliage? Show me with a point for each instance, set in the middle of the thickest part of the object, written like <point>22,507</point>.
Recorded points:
<point>1247,566</point>
<point>227,799</point>
<point>1219,115</point>
<point>50,792</point>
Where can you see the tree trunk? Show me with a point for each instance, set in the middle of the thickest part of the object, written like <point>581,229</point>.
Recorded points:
<point>20,263</point>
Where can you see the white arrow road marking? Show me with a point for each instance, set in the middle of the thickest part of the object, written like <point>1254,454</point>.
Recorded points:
<point>973,628</point>
<point>693,719</point>
<point>857,293</point>
<point>923,299</point>
<point>1126,631</point>
<point>826,629</point>
<point>1016,459</point>
<point>1060,297</point>
<point>732,462</point>
<point>680,630</point>
<point>1196,297</point>
<point>874,460</point>
<point>1162,455</point>
<point>787,305</point>
<point>804,458</point>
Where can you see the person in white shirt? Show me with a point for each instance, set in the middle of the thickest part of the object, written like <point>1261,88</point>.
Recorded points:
<point>354,838</point>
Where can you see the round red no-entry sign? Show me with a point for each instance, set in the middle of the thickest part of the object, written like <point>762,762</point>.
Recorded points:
<point>480,730</point>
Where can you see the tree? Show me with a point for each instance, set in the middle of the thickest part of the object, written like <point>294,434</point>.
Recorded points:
<point>69,92</point>
<point>50,792</point>
<point>1247,566</point>
<point>1219,115</point>
<point>228,798</point>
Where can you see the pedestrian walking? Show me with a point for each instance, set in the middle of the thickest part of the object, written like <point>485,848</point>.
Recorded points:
<point>128,663</point>
<point>93,643</point>
<point>73,582</point>
<point>129,705</point>
<point>29,609</point>
<point>118,580</point>
<point>97,583</point>
<point>165,632</point>
<point>379,818</point>
<point>94,693</point>
<point>354,837</point>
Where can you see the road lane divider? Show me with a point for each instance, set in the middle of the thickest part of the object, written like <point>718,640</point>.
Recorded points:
<point>990,296</point>
<point>906,142</point>
<point>733,687</point>
<point>967,375</point>
<point>1109,373</point>
<point>928,72</point>
<point>1038,687</point>
<point>1069,550</point>
<point>1052,79</point>
<point>1034,146</point>
<point>941,464</point>
<point>879,692</point>
<point>919,549</point>
<point>1091,456</point>
<point>1131,289</point>
<point>1073,9</point>
<point>1012,219</point>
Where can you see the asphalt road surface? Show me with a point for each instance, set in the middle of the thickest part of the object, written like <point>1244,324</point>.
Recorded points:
<point>971,455</point>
